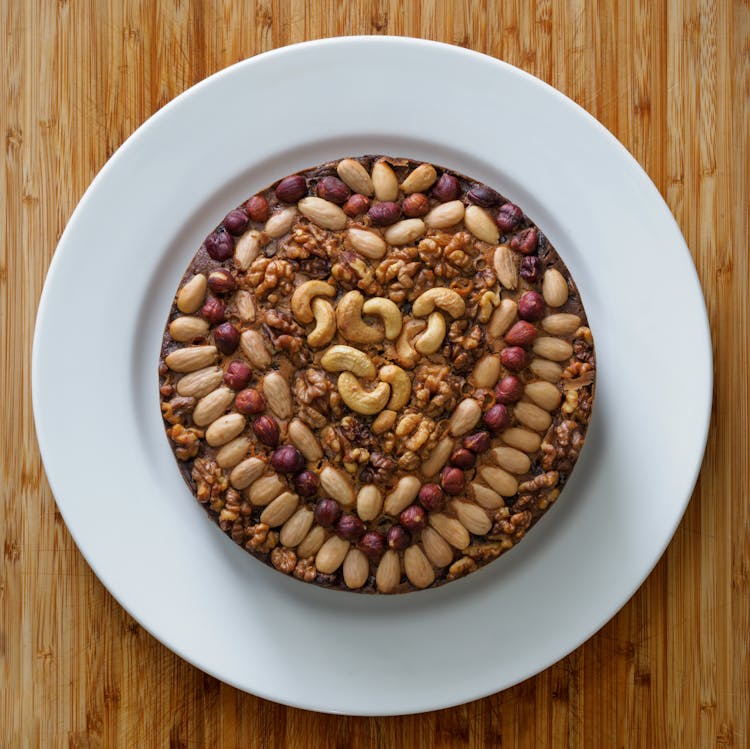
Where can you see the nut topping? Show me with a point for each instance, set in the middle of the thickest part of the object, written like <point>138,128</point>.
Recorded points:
<point>364,388</point>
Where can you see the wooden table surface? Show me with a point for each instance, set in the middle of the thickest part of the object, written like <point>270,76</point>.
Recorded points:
<point>671,80</point>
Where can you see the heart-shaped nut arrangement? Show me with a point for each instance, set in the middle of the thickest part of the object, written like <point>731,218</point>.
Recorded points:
<point>377,375</point>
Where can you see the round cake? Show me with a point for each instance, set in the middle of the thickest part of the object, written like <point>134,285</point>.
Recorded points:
<point>377,375</point>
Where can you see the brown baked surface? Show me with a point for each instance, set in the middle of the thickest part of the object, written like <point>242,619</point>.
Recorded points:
<point>379,377</point>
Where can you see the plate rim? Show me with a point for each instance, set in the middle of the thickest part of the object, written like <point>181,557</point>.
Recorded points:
<point>122,152</point>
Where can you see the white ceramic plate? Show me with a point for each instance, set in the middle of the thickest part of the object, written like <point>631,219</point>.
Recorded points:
<point>109,290</point>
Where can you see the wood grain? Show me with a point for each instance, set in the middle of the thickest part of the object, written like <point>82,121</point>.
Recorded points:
<point>671,79</point>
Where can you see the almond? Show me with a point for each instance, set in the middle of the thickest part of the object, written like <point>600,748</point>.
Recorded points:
<point>246,249</point>
<point>356,569</point>
<point>486,497</point>
<point>384,181</point>
<point>355,176</point>
<point>191,358</point>
<point>388,575</point>
<point>511,459</point>
<point>278,395</point>
<point>499,480</point>
<point>225,428</point>
<point>404,232</point>
<point>296,528</point>
<point>186,328</point>
<point>213,405</point>
<point>505,267</point>
<point>311,542</point>
<point>262,491</point>
<point>481,224</point>
<point>367,243</point>
<point>200,383</point>
<point>337,485</point>
<point>418,568</point>
<point>331,555</point>
<point>325,214</point>
<point>302,437</point>
<point>465,417</point>
<point>522,439</point>
<point>553,348</point>
<point>544,394</point>
<point>450,529</point>
<point>436,548</point>
<point>532,416</point>
<point>233,452</point>
<point>244,473</point>
<point>561,324</point>
<point>546,369</point>
<point>254,348</point>
<point>472,517</point>
<point>190,297</point>
<point>554,288</point>
<point>445,215</point>
<point>280,509</point>
<point>420,179</point>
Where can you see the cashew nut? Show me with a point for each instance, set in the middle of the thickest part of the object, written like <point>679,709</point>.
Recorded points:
<point>400,385</point>
<point>347,359</point>
<point>432,338</point>
<point>325,323</point>
<point>442,298</point>
<point>406,354</point>
<point>367,402</point>
<point>303,296</point>
<point>487,303</point>
<point>388,311</point>
<point>351,325</point>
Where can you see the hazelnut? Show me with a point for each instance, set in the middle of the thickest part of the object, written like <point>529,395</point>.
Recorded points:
<point>226,338</point>
<point>413,518</point>
<point>249,402</point>
<point>373,545</point>
<point>266,429</point>
<point>350,527</point>
<point>521,334</point>
<point>462,458</point>
<point>497,418</point>
<point>238,374</point>
<point>291,189</point>
<point>525,242</point>
<point>385,213</point>
<point>236,221</point>
<point>213,310</point>
<point>509,389</point>
<point>398,538</point>
<point>415,205</point>
<point>333,189</point>
<point>530,268</point>
<point>287,459</point>
<point>327,512</point>
<point>306,483</point>
<point>356,205</point>
<point>221,281</point>
<point>513,358</point>
<point>483,196</point>
<point>508,217</point>
<point>531,306</point>
<point>257,209</point>
<point>479,442</point>
<point>431,497</point>
<point>452,480</point>
<point>447,188</point>
<point>220,245</point>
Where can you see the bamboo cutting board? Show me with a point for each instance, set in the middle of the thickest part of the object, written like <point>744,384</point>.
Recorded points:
<point>671,79</point>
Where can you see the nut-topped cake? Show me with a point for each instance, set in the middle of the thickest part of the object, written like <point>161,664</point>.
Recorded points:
<point>377,375</point>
